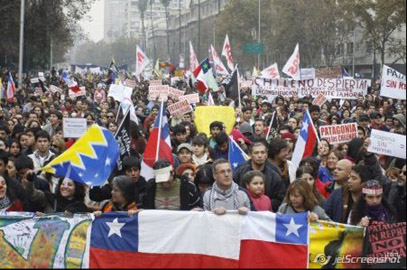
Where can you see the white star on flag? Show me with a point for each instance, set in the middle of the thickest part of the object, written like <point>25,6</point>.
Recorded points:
<point>292,228</point>
<point>305,126</point>
<point>235,165</point>
<point>108,161</point>
<point>115,227</point>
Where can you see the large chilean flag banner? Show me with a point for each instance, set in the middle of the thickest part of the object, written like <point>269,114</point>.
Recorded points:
<point>176,239</point>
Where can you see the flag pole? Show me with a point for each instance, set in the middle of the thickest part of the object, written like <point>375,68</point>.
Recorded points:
<point>312,123</point>
<point>271,124</point>
<point>237,145</point>
<point>159,130</point>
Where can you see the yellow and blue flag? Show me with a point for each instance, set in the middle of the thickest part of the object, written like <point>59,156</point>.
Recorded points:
<point>90,160</point>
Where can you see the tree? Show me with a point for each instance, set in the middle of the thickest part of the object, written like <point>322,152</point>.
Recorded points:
<point>142,6</point>
<point>380,19</point>
<point>166,3</point>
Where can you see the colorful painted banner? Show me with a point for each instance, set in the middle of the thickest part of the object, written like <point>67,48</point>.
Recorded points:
<point>43,242</point>
<point>337,134</point>
<point>334,245</point>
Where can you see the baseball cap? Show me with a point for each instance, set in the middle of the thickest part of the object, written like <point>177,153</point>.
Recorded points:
<point>184,145</point>
<point>364,117</point>
<point>163,175</point>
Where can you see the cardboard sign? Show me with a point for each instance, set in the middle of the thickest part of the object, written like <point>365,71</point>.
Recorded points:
<point>192,98</point>
<point>345,88</point>
<point>55,89</point>
<point>329,72</point>
<point>393,84</point>
<point>386,143</point>
<point>158,91</point>
<point>120,92</point>
<point>156,82</point>
<point>34,80</point>
<point>180,108</point>
<point>74,127</point>
<point>130,83</point>
<point>81,92</point>
<point>319,100</point>
<point>337,134</point>
<point>175,93</point>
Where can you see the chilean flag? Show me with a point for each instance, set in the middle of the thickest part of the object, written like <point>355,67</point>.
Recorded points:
<point>306,141</point>
<point>178,239</point>
<point>11,88</point>
<point>199,74</point>
<point>159,143</point>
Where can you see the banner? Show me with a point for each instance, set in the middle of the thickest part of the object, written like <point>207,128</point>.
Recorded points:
<point>330,88</point>
<point>81,92</point>
<point>180,108</point>
<point>329,72</point>
<point>175,93</point>
<point>158,91</point>
<point>385,245</point>
<point>120,92</point>
<point>393,84</point>
<point>334,245</point>
<point>74,127</point>
<point>205,115</point>
<point>43,242</point>
<point>337,134</point>
<point>307,73</point>
<point>388,144</point>
<point>192,98</point>
<point>319,100</point>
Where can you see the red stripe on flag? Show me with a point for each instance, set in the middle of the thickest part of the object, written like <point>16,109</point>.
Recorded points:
<point>150,151</point>
<point>310,144</point>
<point>261,254</point>
<point>100,258</point>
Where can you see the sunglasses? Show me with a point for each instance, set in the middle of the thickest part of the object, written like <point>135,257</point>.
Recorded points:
<point>110,116</point>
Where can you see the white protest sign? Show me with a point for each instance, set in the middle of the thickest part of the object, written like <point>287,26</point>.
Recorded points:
<point>34,80</point>
<point>330,88</point>
<point>393,84</point>
<point>74,127</point>
<point>175,93</point>
<point>129,83</point>
<point>307,73</point>
<point>55,89</point>
<point>95,70</point>
<point>41,76</point>
<point>192,98</point>
<point>319,100</point>
<point>337,134</point>
<point>386,143</point>
<point>180,108</point>
<point>120,92</point>
<point>156,82</point>
<point>158,91</point>
<point>81,92</point>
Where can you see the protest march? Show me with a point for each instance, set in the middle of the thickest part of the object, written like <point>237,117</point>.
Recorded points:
<point>202,166</point>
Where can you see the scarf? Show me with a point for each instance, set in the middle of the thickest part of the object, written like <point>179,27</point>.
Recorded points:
<point>5,203</point>
<point>200,161</point>
<point>378,212</point>
<point>220,195</point>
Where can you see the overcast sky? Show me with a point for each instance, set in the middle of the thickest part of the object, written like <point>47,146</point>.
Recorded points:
<point>94,26</point>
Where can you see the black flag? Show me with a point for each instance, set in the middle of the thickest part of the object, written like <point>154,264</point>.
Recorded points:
<point>232,89</point>
<point>123,140</point>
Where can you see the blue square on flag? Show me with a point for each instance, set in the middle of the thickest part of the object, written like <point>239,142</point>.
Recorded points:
<point>115,231</point>
<point>292,228</point>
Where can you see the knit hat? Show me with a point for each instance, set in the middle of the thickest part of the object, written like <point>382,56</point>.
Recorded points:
<point>237,134</point>
<point>401,118</point>
<point>246,128</point>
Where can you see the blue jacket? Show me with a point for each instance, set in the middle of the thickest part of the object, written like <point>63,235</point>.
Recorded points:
<point>334,206</point>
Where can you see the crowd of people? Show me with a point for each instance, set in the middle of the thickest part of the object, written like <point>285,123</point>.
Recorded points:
<point>341,182</point>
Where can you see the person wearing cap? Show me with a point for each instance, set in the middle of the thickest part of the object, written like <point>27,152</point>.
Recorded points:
<point>184,153</point>
<point>399,124</point>
<point>247,130</point>
<point>169,192</point>
<point>377,121</point>
<point>225,194</point>
<point>371,206</point>
<point>364,121</point>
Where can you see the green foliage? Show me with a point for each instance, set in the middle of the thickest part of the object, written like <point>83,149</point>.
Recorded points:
<point>46,21</point>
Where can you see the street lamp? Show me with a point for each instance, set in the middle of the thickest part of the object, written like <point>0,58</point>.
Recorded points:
<point>20,57</point>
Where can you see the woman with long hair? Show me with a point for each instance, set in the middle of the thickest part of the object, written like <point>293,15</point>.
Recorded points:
<point>308,175</point>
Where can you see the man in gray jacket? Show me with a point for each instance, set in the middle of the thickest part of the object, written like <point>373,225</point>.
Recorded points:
<point>225,194</point>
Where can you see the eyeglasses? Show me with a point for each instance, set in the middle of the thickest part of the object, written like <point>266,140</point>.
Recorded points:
<point>110,116</point>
